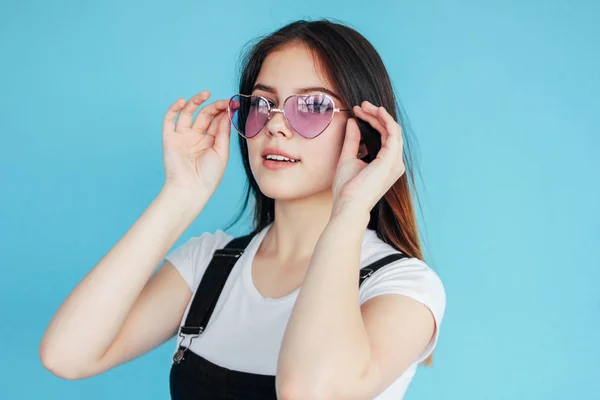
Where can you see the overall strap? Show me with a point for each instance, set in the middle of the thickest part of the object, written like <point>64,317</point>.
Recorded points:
<point>370,269</point>
<point>208,291</point>
<point>212,284</point>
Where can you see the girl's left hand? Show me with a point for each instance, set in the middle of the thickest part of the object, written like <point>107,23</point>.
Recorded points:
<point>360,184</point>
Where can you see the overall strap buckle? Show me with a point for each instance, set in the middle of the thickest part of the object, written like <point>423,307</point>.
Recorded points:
<point>376,265</point>
<point>179,354</point>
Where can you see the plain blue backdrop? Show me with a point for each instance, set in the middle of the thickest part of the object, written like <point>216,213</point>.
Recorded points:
<point>502,98</point>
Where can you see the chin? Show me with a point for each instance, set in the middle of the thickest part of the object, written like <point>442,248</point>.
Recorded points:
<point>278,191</point>
<point>292,190</point>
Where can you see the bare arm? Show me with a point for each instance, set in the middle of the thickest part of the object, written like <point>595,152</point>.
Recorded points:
<point>117,313</point>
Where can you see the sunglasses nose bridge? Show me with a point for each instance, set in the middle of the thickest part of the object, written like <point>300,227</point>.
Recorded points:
<point>272,111</point>
<point>275,110</point>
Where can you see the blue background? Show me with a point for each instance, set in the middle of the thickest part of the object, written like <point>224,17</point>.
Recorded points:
<point>502,99</point>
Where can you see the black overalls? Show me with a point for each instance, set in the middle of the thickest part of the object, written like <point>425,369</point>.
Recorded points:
<point>193,376</point>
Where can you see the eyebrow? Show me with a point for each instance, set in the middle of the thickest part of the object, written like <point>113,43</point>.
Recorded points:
<point>270,89</point>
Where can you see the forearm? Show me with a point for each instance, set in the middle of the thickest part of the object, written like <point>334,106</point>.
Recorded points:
<point>325,340</point>
<point>92,315</point>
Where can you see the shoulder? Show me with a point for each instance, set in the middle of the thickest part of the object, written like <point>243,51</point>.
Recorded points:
<point>208,240</point>
<point>408,276</point>
<point>193,256</point>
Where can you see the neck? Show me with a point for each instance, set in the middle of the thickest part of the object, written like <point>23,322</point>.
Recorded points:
<point>297,228</point>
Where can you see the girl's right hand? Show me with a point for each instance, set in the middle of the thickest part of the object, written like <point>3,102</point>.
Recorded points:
<point>193,160</point>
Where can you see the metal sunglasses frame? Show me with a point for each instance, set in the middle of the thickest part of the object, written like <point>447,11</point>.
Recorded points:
<point>272,110</point>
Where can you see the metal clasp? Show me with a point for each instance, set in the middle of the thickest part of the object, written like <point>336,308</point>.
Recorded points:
<point>179,354</point>
<point>368,274</point>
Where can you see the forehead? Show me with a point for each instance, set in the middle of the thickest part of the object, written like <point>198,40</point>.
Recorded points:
<point>290,68</point>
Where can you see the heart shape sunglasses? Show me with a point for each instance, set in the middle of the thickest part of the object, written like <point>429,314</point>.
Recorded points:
<point>307,114</point>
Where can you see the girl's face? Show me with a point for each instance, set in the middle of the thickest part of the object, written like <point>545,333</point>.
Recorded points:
<point>291,70</point>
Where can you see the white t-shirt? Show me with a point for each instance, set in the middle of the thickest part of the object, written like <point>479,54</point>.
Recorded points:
<point>246,329</point>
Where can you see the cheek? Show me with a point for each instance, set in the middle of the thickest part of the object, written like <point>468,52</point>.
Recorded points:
<point>333,139</point>
<point>254,148</point>
<point>325,155</point>
<point>326,148</point>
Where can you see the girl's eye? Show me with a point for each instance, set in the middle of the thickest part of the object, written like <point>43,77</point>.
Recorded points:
<point>259,101</point>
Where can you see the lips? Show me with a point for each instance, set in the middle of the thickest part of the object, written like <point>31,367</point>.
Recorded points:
<point>285,161</point>
<point>278,152</point>
<point>278,165</point>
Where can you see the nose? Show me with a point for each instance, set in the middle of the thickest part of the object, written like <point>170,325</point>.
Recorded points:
<point>277,124</point>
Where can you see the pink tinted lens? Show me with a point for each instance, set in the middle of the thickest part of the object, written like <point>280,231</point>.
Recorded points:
<point>310,114</point>
<point>248,114</point>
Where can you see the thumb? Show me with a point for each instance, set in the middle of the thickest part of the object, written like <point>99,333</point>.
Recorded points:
<point>351,141</point>
<point>221,143</point>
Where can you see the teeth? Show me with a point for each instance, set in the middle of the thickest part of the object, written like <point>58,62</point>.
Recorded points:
<point>280,158</point>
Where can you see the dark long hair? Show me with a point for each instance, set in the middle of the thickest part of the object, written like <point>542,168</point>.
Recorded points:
<point>357,72</point>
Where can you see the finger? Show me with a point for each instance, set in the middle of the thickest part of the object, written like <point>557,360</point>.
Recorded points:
<point>169,119</point>
<point>203,118</point>
<point>373,121</point>
<point>384,116</point>
<point>369,117</point>
<point>234,105</point>
<point>389,145</point>
<point>215,123</point>
<point>185,116</point>
<point>390,122</point>
<point>391,126</point>
<point>223,136</point>
<point>351,140</point>
<point>394,129</point>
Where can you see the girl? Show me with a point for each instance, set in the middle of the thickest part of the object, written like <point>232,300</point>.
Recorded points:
<point>328,297</point>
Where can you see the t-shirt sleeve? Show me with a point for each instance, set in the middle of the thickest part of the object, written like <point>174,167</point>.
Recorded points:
<point>413,278</point>
<point>192,257</point>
